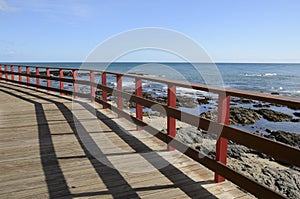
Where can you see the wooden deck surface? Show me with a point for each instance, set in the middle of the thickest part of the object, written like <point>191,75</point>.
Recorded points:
<point>52,147</point>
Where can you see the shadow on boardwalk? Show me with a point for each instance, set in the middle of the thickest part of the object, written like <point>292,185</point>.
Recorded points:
<point>118,187</point>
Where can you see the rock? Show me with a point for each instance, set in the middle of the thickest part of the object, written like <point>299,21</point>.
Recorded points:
<point>203,100</point>
<point>242,101</point>
<point>293,108</point>
<point>283,181</point>
<point>237,151</point>
<point>292,139</point>
<point>238,115</point>
<point>211,115</point>
<point>295,120</point>
<point>186,101</point>
<point>274,93</point>
<point>243,116</point>
<point>261,105</point>
<point>296,114</point>
<point>274,116</point>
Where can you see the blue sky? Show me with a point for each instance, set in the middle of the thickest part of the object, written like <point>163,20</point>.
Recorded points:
<point>230,31</point>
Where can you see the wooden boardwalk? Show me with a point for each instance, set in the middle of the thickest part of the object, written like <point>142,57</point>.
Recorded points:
<point>52,147</point>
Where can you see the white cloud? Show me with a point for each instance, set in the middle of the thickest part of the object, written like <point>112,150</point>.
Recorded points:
<point>6,8</point>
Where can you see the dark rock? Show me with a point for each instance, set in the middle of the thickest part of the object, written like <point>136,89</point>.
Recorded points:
<point>236,151</point>
<point>295,120</point>
<point>274,93</point>
<point>261,105</point>
<point>274,116</point>
<point>293,108</point>
<point>242,101</point>
<point>268,131</point>
<point>203,100</point>
<point>243,116</point>
<point>297,114</point>
<point>238,115</point>
<point>292,139</point>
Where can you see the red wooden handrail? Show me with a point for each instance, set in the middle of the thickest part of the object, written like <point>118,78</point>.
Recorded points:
<point>279,151</point>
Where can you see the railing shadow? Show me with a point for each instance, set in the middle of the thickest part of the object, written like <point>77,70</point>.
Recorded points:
<point>106,173</point>
<point>186,184</point>
<point>56,182</point>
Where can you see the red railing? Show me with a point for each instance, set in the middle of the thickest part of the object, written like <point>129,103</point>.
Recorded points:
<point>279,151</point>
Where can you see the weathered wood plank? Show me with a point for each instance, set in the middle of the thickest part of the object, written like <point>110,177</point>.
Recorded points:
<point>143,167</point>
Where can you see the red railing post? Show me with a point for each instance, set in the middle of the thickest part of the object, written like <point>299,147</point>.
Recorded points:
<point>12,69</point>
<point>6,70</point>
<point>0,70</point>
<point>171,122</point>
<point>92,80</point>
<point>37,72</point>
<point>119,87</point>
<point>20,73</point>
<point>48,80</point>
<point>222,143</point>
<point>75,86</point>
<point>138,107</point>
<point>28,72</point>
<point>61,83</point>
<point>104,94</point>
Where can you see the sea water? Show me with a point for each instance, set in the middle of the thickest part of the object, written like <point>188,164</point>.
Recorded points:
<point>283,79</point>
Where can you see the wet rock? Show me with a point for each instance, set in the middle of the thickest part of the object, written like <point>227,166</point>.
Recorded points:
<point>243,116</point>
<point>66,73</point>
<point>261,105</point>
<point>238,115</point>
<point>296,114</point>
<point>211,115</point>
<point>295,120</point>
<point>274,93</point>
<point>292,139</point>
<point>203,100</point>
<point>293,108</point>
<point>274,116</point>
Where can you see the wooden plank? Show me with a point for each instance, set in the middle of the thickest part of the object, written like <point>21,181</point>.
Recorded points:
<point>24,175</point>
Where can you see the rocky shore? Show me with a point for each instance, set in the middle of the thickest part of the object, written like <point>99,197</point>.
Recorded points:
<point>280,177</point>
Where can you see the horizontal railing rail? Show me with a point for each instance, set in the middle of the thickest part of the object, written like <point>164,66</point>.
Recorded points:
<point>221,128</point>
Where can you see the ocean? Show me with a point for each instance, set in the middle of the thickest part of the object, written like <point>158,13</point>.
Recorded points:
<point>283,79</point>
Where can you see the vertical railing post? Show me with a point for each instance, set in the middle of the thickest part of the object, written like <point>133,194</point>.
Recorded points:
<point>28,72</point>
<point>75,86</point>
<point>222,143</point>
<point>48,80</point>
<point>20,73</point>
<point>104,94</point>
<point>12,69</point>
<point>138,107</point>
<point>61,83</point>
<point>37,72</point>
<point>119,98</point>
<point>171,122</point>
<point>92,80</point>
<point>6,70</point>
<point>0,70</point>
